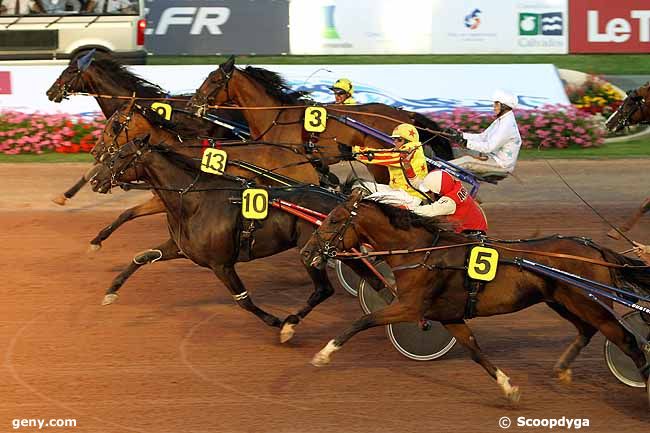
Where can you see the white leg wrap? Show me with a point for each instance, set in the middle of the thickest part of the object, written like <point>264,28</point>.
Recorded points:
<point>323,357</point>
<point>504,382</point>
<point>511,392</point>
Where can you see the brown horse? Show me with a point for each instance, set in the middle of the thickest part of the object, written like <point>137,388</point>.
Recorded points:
<point>99,73</point>
<point>634,110</point>
<point>256,87</point>
<point>432,285</point>
<point>133,120</point>
<point>207,228</point>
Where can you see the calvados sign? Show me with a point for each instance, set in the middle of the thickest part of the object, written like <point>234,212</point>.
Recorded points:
<point>606,26</point>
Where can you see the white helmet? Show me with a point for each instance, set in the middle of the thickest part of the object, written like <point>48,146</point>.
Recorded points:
<point>505,97</point>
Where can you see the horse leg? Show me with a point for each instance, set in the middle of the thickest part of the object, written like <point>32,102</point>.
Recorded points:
<point>150,207</point>
<point>464,336</point>
<point>227,275</point>
<point>598,316</point>
<point>585,332</point>
<point>61,198</point>
<point>165,251</point>
<point>627,225</point>
<point>394,313</point>
<point>322,290</point>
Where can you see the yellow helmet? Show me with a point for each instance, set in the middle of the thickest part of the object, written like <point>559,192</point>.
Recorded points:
<point>343,84</point>
<point>406,131</point>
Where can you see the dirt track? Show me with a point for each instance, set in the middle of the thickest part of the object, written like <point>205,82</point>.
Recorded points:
<point>175,354</point>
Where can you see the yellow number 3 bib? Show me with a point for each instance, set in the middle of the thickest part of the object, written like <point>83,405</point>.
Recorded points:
<point>315,119</point>
<point>483,263</point>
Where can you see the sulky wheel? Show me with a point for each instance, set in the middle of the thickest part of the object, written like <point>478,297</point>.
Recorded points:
<point>408,338</point>
<point>621,366</point>
<point>346,276</point>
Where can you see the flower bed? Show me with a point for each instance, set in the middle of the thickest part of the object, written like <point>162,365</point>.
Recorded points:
<point>546,127</point>
<point>39,133</point>
<point>594,96</point>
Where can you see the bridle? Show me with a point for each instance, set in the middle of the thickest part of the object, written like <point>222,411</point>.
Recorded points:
<point>201,101</point>
<point>118,154</point>
<point>65,87</point>
<point>328,248</point>
<point>121,120</point>
<point>638,103</point>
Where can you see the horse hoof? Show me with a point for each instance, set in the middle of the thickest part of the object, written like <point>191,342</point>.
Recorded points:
<point>287,332</point>
<point>514,395</point>
<point>320,360</point>
<point>614,234</point>
<point>110,298</point>
<point>93,248</point>
<point>60,200</point>
<point>565,376</point>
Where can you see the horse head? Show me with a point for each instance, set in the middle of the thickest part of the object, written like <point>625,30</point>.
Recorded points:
<point>120,164</point>
<point>336,231</point>
<point>635,109</point>
<point>214,90</point>
<point>71,79</point>
<point>121,126</point>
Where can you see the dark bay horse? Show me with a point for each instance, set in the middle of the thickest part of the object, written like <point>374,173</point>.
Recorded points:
<point>432,286</point>
<point>133,120</point>
<point>256,87</point>
<point>99,73</point>
<point>206,227</point>
<point>634,110</point>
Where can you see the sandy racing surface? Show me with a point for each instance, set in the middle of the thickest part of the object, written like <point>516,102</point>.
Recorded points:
<point>176,355</point>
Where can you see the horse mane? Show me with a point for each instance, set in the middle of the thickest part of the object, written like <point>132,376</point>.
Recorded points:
<point>440,145</point>
<point>119,74</point>
<point>176,128</point>
<point>404,219</point>
<point>187,164</point>
<point>275,85</point>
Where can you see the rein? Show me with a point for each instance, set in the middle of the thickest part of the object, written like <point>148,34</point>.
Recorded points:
<point>353,255</point>
<point>271,107</point>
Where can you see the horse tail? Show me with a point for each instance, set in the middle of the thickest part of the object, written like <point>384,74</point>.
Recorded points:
<point>637,278</point>
<point>440,146</point>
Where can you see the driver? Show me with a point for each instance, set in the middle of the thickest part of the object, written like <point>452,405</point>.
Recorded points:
<point>454,201</point>
<point>343,92</point>
<point>495,149</point>
<point>407,167</point>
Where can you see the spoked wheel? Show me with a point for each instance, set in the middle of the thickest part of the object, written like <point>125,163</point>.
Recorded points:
<point>408,338</point>
<point>621,366</point>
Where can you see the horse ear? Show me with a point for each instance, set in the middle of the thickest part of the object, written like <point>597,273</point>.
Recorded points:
<point>357,194</point>
<point>228,65</point>
<point>145,139</point>
<point>84,61</point>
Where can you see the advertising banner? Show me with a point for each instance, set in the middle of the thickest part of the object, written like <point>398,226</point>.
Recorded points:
<point>208,27</point>
<point>603,26</point>
<point>423,88</point>
<point>428,27</point>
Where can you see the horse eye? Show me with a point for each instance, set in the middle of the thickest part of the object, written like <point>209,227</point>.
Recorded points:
<point>116,128</point>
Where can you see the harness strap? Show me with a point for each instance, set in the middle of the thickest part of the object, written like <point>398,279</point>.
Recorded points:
<point>568,256</point>
<point>539,253</point>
